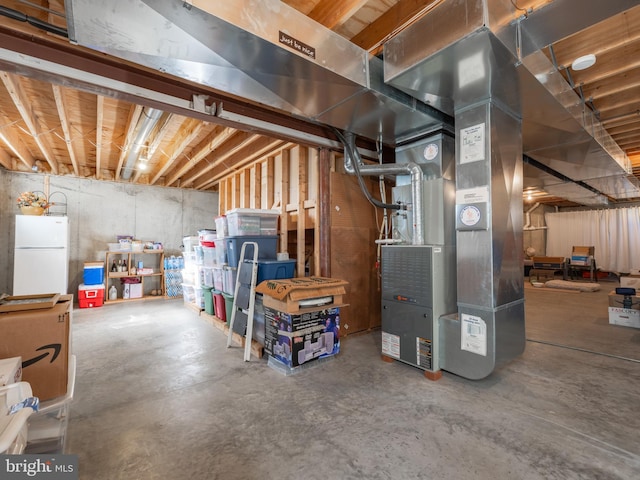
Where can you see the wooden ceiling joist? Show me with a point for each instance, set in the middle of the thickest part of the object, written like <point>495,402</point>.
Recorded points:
<point>64,122</point>
<point>21,102</point>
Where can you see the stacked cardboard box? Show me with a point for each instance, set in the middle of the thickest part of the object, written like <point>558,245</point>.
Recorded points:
<point>582,256</point>
<point>302,318</point>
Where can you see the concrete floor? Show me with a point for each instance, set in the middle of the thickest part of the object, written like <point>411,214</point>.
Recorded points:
<point>158,396</point>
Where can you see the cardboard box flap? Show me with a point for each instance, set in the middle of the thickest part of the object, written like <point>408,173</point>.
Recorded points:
<point>302,288</point>
<point>584,251</point>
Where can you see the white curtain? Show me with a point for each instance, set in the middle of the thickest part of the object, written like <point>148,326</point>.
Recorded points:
<point>615,234</point>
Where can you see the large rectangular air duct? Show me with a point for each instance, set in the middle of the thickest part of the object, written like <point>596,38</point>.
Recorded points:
<point>557,128</point>
<point>265,52</point>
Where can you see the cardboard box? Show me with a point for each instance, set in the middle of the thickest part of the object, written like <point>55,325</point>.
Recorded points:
<point>10,370</point>
<point>298,338</point>
<point>41,338</point>
<point>630,281</point>
<point>132,290</point>
<point>583,251</point>
<point>302,294</point>
<point>626,317</point>
<point>618,300</point>
<point>556,263</point>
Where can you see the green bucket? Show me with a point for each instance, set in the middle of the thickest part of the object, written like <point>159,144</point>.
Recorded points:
<point>228,305</point>
<point>208,299</point>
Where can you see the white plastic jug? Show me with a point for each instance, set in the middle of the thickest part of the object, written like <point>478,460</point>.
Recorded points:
<point>113,293</point>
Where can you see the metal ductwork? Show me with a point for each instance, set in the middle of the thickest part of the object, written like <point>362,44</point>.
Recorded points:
<point>148,119</point>
<point>543,178</point>
<point>266,52</point>
<point>355,166</point>
<point>558,130</point>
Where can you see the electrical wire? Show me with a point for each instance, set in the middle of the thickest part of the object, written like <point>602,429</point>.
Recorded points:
<point>526,12</point>
<point>355,160</point>
<point>583,350</point>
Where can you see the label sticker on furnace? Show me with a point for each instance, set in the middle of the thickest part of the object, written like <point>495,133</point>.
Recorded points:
<point>390,345</point>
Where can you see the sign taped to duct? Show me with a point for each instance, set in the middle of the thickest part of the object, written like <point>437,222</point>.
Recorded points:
<point>472,143</point>
<point>474,334</point>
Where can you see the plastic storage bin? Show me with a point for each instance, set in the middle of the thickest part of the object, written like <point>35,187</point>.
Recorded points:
<point>199,297</point>
<point>218,274</point>
<point>219,308</point>
<point>188,293</point>
<point>249,221</point>
<point>222,229</point>
<point>275,269</point>
<point>209,256</point>
<point>93,273</point>
<point>267,247</point>
<point>14,427</point>
<point>229,275</point>
<point>190,242</point>
<point>90,296</point>
<point>48,426</point>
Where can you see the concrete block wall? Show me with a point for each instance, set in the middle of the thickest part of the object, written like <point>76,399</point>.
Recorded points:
<point>100,210</point>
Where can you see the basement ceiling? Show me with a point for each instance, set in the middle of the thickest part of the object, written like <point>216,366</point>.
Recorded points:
<point>80,114</point>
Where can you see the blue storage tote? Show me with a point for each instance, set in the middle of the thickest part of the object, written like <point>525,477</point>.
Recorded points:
<point>93,273</point>
<point>275,269</point>
<point>267,246</point>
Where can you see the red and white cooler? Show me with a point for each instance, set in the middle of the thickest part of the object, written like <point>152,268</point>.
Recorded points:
<point>90,296</point>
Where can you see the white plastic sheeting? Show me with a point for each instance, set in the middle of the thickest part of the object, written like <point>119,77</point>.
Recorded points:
<point>615,234</point>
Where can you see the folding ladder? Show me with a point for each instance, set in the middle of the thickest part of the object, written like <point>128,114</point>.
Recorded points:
<point>244,299</point>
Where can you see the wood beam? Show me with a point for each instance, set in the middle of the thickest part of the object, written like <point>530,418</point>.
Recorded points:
<point>226,151</point>
<point>212,142</point>
<point>13,142</point>
<point>189,131</point>
<point>99,131</point>
<point>253,152</point>
<point>64,121</point>
<point>323,223</point>
<point>20,100</point>
<point>372,37</point>
<point>5,159</point>
<point>302,187</point>
<point>333,14</point>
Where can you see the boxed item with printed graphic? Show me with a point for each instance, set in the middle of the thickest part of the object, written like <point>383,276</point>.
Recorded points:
<point>298,338</point>
<point>41,337</point>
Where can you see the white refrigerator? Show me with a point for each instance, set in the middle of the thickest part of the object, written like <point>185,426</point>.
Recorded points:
<point>41,255</point>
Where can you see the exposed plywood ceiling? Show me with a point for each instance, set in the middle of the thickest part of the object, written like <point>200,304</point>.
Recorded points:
<point>65,129</point>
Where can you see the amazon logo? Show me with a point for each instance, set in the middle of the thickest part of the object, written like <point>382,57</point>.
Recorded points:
<point>55,351</point>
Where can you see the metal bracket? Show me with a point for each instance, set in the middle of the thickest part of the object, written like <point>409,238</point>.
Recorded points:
<point>198,103</point>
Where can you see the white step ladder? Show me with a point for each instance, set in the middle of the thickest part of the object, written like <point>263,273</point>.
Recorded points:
<point>244,299</point>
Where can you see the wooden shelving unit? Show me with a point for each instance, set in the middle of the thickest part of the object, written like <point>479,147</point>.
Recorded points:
<point>150,281</point>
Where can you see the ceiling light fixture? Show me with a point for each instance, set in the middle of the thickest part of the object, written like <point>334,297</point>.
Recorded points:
<point>584,62</point>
